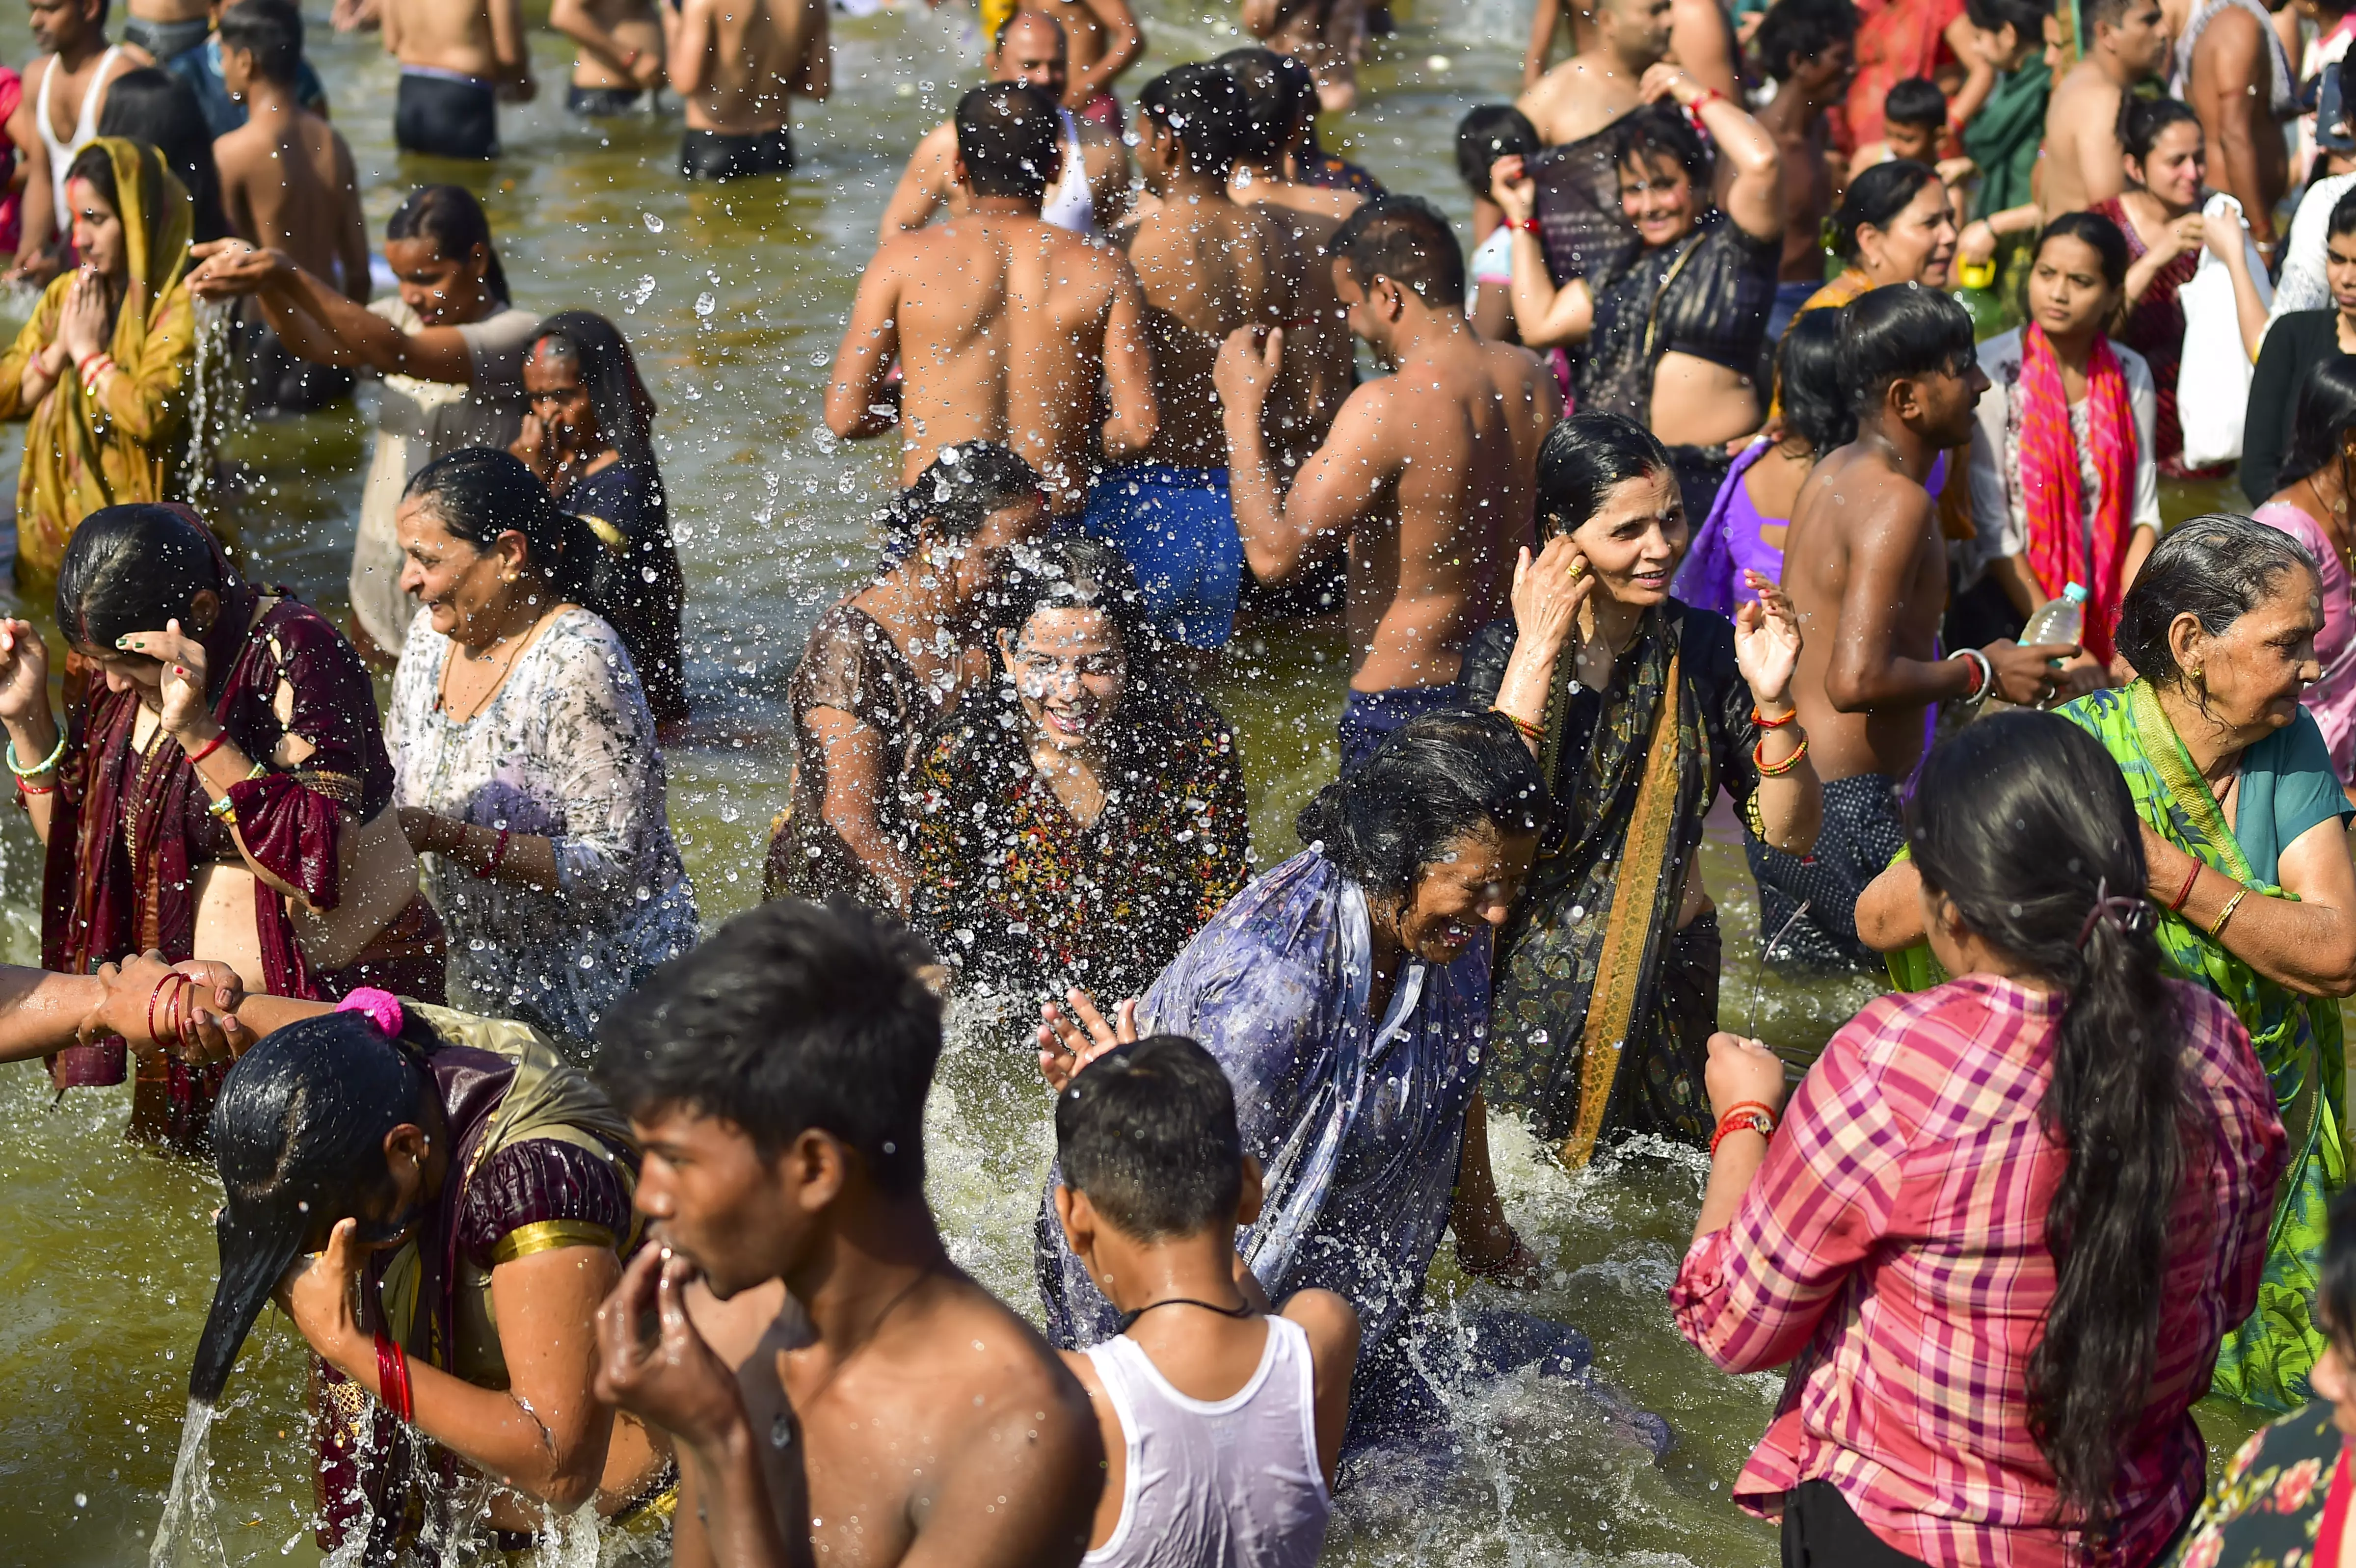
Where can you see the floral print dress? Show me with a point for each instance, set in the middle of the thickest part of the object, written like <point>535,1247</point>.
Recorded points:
<point>565,750</point>
<point>2270,1508</point>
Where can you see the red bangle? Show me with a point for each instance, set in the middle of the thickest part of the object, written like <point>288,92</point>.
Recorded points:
<point>208,749</point>
<point>1749,1114</point>
<point>2176,905</point>
<point>1766,723</point>
<point>1528,225</point>
<point>23,789</point>
<point>158,991</point>
<point>392,1379</point>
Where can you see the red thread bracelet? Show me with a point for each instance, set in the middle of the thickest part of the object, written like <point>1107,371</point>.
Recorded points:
<point>2176,905</point>
<point>1766,723</point>
<point>208,749</point>
<point>498,853</point>
<point>392,1379</point>
<point>1528,225</point>
<point>1751,1113</point>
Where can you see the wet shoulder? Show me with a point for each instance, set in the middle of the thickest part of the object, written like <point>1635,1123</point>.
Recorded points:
<point>849,662</point>
<point>1943,1062</point>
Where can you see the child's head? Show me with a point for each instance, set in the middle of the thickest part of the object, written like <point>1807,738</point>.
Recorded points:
<point>267,37</point>
<point>1147,1135</point>
<point>1490,132</point>
<point>1911,118</point>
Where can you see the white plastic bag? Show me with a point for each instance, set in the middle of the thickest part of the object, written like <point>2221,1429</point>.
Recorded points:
<point>2212,385</point>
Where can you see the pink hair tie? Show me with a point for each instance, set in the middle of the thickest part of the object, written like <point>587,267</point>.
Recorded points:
<point>382,1007</point>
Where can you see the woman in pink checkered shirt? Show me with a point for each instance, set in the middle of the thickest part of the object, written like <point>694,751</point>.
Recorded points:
<point>2006,1220</point>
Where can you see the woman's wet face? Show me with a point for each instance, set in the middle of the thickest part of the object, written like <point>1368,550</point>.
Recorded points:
<point>1069,671</point>
<point>1637,539</point>
<point>2067,292</point>
<point>552,379</point>
<point>1919,243</point>
<point>2340,272</point>
<point>2177,165</point>
<point>1473,882</point>
<point>441,291</point>
<point>97,229</point>
<point>1657,195</point>
<point>2251,674</point>
<point>457,580</point>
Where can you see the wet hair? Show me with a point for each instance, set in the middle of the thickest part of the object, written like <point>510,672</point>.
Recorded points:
<point>1490,132</point>
<point>1202,106</point>
<point>791,1016</point>
<point>2092,229</point>
<point>1916,101</point>
<point>2025,823</point>
<point>2335,1285</point>
<point>609,374</point>
<point>155,107</point>
<point>2343,214</point>
<point>448,218</point>
<point>2026,17</point>
<point>1434,780</point>
<point>1795,30</point>
<point>297,1134</point>
<point>1874,200</point>
<point>270,30</point>
<point>2319,429</point>
<point>2143,120</point>
<point>1269,108</point>
<point>1901,333</point>
<point>1010,136</point>
<point>1405,240</point>
<point>1147,1131</point>
<point>1583,459</point>
<point>1809,376</point>
<point>997,38</point>
<point>1659,131</point>
<point>132,568</point>
<point>1075,574</point>
<point>1298,80</point>
<point>478,493</point>
<point>2216,568</point>
<point>958,492</point>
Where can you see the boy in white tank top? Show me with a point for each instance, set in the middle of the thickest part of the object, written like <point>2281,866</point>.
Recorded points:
<point>1222,1424</point>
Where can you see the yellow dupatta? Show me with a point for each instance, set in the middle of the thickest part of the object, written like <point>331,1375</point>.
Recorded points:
<point>83,453</point>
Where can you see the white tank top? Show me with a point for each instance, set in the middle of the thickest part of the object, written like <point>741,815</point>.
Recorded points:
<point>85,131</point>
<point>1228,1484</point>
<point>1070,204</point>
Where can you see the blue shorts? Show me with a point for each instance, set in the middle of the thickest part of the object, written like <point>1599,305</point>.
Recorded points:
<point>1177,528</point>
<point>1370,716</point>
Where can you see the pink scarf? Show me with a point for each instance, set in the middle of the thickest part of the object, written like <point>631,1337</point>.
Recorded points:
<point>2049,479</point>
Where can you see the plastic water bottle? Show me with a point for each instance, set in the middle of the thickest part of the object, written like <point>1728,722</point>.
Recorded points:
<point>2061,620</point>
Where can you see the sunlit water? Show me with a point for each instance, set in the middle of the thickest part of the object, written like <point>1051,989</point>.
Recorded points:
<point>734,298</point>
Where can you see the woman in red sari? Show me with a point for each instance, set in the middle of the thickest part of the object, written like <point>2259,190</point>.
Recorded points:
<point>221,793</point>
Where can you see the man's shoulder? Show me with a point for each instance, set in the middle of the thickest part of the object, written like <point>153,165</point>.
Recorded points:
<point>973,1344</point>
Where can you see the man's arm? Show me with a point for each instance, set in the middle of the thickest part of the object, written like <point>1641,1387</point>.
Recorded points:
<point>925,184</point>
<point>871,342</point>
<point>1124,41</point>
<point>577,21</point>
<point>687,45</point>
<point>2237,77</point>
<point>1970,45</point>
<point>353,245</point>
<point>237,198</point>
<point>511,49</point>
<point>1701,44</point>
<point>1134,416</point>
<point>1283,535</point>
<point>814,72</point>
<point>38,208</point>
<point>1545,20</point>
<point>1104,158</point>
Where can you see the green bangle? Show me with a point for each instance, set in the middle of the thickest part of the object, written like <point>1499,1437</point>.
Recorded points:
<point>48,764</point>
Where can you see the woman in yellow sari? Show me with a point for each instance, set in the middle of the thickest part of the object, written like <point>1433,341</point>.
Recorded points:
<point>103,369</point>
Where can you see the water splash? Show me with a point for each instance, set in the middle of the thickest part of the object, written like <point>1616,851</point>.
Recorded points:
<point>187,1536</point>
<point>212,400</point>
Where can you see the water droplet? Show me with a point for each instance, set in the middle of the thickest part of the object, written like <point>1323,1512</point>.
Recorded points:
<point>706,303</point>
<point>654,224</point>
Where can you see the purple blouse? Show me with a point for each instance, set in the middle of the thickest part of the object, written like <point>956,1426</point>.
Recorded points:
<point>2332,699</point>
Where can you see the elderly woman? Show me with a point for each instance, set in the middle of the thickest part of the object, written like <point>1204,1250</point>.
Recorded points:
<point>222,792</point>
<point>590,439</point>
<point>1672,335</point>
<point>1640,709</point>
<point>1080,819</point>
<point>882,665</point>
<point>524,755</point>
<point>102,368</point>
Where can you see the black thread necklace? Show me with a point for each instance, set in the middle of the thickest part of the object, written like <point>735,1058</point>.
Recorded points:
<point>1241,1311</point>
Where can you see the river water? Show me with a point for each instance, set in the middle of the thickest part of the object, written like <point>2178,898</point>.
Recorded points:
<point>734,299</point>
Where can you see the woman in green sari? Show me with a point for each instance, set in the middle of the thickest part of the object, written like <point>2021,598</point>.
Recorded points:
<point>1640,709</point>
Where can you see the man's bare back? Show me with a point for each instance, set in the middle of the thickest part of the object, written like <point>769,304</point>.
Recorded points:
<point>2082,141</point>
<point>735,64</point>
<point>288,182</point>
<point>445,35</point>
<point>1208,267</point>
<point>1328,37</point>
<point>621,42</point>
<point>1597,85</point>
<point>1319,330</point>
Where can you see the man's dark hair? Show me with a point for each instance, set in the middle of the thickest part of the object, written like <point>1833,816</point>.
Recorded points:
<point>1900,332</point>
<point>2026,17</point>
<point>2104,13</point>
<point>1486,133</point>
<point>1405,240</point>
<point>272,32</point>
<point>792,1015</point>
<point>1147,1131</point>
<point>1268,102</point>
<point>1916,101</point>
<point>1202,106</point>
<point>1009,135</point>
<point>1796,30</point>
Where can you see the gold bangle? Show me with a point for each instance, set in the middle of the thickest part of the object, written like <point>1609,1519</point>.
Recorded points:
<point>1750,816</point>
<point>2227,912</point>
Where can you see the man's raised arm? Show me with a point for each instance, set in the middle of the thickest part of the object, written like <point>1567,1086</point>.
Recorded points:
<point>1284,534</point>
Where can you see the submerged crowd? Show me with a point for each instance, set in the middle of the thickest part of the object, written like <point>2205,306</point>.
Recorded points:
<point>1698,481</point>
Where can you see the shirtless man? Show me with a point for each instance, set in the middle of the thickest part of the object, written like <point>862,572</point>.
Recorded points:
<point>1004,324</point>
<point>1091,192</point>
<point>1328,37</point>
<point>884,1408</point>
<point>65,93</point>
<point>1808,47</point>
<point>1208,265</point>
<point>2231,68</point>
<point>1427,479</point>
<point>288,184</point>
<point>2083,154</point>
<point>619,70</point>
<point>1865,567</point>
<point>1701,41</point>
<point>458,58</point>
<point>1104,40</point>
<point>1597,86</point>
<point>736,65</point>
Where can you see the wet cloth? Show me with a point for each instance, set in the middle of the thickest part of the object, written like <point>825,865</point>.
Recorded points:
<point>2295,346</point>
<point>127,442</point>
<point>1790,299</point>
<point>1861,835</point>
<point>1069,203</point>
<point>2332,699</point>
<point>417,421</point>
<point>1597,994</point>
<point>2270,1506</point>
<point>1706,296</point>
<point>718,155</point>
<point>2155,329</point>
<point>1177,529</point>
<point>276,382</point>
<point>2286,787</point>
<point>2302,285</point>
<point>538,1161</point>
<point>2004,137</point>
<point>446,115</point>
<point>1728,544</point>
<point>1576,203</point>
<point>564,750</point>
<point>202,69</point>
<point>636,583</point>
<point>61,150</point>
<point>1701,473</point>
<point>1016,892</point>
<point>166,41</point>
<point>1892,1251</point>
<point>1368,718</point>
